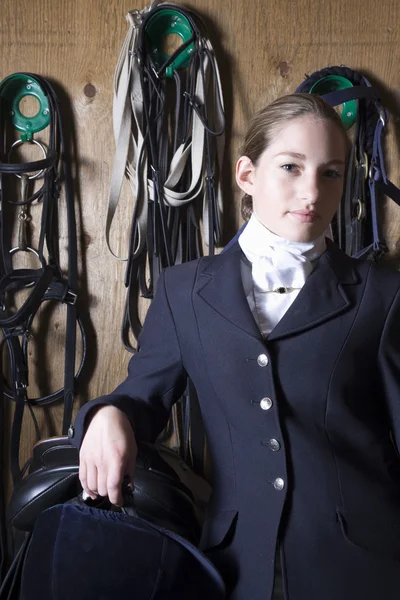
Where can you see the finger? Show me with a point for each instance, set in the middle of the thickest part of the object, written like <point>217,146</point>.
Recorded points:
<point>92,481</point>
<point>102,481</point>
<point>115,476</point>
<point>83,475</point>
<point>130,472</point>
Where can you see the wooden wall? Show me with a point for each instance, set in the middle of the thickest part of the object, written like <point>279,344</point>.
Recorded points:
<point>263,50</point>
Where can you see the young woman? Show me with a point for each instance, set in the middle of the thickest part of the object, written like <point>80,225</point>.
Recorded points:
<point>294,349</point>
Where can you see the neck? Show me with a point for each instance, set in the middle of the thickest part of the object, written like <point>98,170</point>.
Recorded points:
<point>258,240</point>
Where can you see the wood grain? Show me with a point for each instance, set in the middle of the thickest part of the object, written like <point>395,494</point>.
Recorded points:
<point>264,49</point>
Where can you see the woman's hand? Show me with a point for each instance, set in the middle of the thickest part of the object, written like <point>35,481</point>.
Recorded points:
<point>107,454</point>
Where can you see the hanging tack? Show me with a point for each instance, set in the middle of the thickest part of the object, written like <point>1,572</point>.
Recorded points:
<point>23,216</point>
<point>22,231</point>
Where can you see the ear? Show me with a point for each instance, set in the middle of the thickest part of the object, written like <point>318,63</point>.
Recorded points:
<point>245,171</point>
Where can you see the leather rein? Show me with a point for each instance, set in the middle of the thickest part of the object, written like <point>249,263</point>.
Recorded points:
<point>169,132</point>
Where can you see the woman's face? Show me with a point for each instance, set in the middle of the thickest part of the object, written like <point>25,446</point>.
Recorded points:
<point>298,182</point>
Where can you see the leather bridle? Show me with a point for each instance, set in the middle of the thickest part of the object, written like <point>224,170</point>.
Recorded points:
<point>49,282</point>
<point>357,228</point>
<point>169,134</point>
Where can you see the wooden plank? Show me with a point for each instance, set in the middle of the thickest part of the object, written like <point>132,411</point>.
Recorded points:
<point>263,50</point>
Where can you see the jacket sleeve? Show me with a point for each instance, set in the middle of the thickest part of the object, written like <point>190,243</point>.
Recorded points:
<point>389,365</point>
<point>156,376</point>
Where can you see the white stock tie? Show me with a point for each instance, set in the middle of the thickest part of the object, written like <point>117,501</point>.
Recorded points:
<point>279,271</point>
<point>283,269</point>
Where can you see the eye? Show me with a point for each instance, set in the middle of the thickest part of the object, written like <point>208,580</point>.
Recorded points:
<point>333,174</point>
<point>290,168</point>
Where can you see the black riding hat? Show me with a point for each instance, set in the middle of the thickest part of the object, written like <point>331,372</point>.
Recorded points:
<point>83,553</point>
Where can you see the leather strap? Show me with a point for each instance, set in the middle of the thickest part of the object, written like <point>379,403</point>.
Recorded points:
<point>357,224</point>
<point>169,137</point>
<point>173,175</point>
<point>47,283</point>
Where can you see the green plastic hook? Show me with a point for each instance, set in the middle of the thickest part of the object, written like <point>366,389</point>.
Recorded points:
<point>163,23</point>
<point>331,83</point>
<point>12,90</point>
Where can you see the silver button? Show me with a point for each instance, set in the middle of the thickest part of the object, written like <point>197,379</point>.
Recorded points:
<point>274,445</point>
<point>71,432</point>
<point>262,360</point>
<point>266,403</point>
<point>279,484</point>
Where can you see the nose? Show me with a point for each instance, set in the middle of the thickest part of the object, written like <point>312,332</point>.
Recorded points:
<point>310,187</point>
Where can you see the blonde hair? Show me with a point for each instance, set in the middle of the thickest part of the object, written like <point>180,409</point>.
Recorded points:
<point>266,122</point>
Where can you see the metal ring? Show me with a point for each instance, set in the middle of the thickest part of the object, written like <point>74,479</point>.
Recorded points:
<point>370,170</point>
<point>365,165</point>
<point>360,210</point>
<point>27,249</point>
<point>32,141</point>
<point>382,116</point>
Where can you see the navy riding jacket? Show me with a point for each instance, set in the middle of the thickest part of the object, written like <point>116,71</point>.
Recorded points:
<point>302,427</point>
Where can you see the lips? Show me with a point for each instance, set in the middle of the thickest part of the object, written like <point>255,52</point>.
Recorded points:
<point>305,216</point>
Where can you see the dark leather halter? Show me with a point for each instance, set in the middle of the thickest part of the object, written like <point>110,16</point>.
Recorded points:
<point>357,228</point>
<point>49,282</point>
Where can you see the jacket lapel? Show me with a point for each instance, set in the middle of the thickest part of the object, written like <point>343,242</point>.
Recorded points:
<point>322,297</point>
<point>220,285</point>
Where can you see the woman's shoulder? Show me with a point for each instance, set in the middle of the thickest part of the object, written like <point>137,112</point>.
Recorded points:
<point>382,277</point>
<point>191,268</point>
<point>379,281</point>
<point>386,268</point>
<point>385,273</point>
<point>182,279</point>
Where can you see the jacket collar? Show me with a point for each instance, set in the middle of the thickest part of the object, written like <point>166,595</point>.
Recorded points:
<point>322,296</point>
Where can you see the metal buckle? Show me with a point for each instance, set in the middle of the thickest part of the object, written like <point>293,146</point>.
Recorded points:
<point>70,298</point>
<point>20,387</point>
<point>135,18</point>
